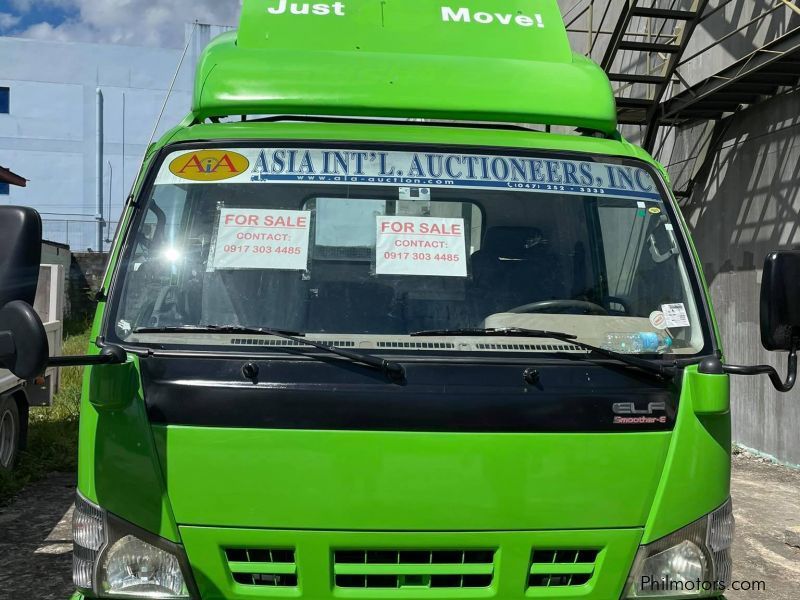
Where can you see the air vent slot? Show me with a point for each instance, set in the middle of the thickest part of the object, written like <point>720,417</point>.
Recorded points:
<point>534,347</point>
<point>282,343</point>
<point>274,567</point>
<point>418,345</point>
<point>561,567</point>
<point>413,569</point>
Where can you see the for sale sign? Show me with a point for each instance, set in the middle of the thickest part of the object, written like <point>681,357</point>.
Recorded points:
<point>249,238</point>
<point>421,246</point>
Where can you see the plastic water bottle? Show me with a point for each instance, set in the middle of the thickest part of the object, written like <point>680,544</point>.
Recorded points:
<point>632,343</point>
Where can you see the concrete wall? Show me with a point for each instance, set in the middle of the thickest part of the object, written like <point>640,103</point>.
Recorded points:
<point>60,255</point>
<point>747,205</point>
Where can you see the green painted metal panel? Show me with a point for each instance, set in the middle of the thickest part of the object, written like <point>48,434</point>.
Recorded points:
<point>697,471</point>
<point>409,481</point>
<point>117,464</point>
<point>710,393</point>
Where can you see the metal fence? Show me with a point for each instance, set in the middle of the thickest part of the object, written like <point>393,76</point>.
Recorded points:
<point>78,234</point>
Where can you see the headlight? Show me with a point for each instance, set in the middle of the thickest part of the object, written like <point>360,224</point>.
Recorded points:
<point>114,559</point>
<point>132,567</point>
<point>693,562</point>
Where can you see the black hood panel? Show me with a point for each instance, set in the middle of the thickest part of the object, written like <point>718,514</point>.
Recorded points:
<point>318,395</point>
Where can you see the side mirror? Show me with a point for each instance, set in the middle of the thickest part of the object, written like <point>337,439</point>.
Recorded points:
<point>780,301</point>
<point>23,341</point>
<point>20,253</point>
<point>780,321</point>
<point>24,348</point>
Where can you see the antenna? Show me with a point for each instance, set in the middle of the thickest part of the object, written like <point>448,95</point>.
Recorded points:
<point>169,91</point>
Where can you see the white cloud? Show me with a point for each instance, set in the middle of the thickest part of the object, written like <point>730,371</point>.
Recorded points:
<point>135,22</point>
<point>27,5</point>
<point>7,20</point>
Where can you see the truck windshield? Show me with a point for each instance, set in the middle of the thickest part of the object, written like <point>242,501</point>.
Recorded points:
<point>363,247</point>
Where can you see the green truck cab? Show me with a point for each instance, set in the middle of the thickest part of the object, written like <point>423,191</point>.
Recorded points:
<point>373,329</point>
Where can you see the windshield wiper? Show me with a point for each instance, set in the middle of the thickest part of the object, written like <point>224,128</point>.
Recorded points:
<point>506,331</point>
<point>663,371</point>
<point>216,329</point>
<point>394,371</point>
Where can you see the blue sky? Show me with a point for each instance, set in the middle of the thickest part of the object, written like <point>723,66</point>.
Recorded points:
<point>18,16</point>
<point>137,22</point>
<point>36,12</point>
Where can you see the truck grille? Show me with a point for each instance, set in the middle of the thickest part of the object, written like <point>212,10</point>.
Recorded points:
<point>402,569</point>
<point>274,567</point>
<point>250,563</point>
<point>559,568</point>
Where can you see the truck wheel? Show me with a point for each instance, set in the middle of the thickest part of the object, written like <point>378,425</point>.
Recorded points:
<point>9,432</point>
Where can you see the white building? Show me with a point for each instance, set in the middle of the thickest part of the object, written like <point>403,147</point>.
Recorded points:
<point>48,126</point>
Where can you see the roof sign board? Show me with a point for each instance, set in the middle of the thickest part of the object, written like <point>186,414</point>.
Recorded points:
<point>499,29</point>
<point>313,166</point>
<point>471,60</point>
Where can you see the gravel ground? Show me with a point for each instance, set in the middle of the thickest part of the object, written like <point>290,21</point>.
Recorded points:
<point>36,541</point>
<point>35,561</point>
<point>766,503</point>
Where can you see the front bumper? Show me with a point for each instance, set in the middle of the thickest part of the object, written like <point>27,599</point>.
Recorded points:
<point>254,564</point>
<point>79,596</point>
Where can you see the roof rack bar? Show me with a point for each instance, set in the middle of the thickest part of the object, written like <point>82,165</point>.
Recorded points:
<point>635,78</point>
<point>663,13</point>
<point>649,47</point>
<point>529,127</point>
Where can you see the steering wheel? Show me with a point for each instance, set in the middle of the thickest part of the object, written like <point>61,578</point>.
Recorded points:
<point>560,306</point>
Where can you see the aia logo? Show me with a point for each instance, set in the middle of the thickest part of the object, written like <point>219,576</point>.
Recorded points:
<point>209,165</point>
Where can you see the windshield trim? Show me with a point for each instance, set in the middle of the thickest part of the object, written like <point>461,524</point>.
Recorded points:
<point>710,342</point>
<point>552,357</point>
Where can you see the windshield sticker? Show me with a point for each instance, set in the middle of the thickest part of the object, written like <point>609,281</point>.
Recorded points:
<point>209,165</point>
<point>658,320</point>
<point>411,169</point>
<point>654,210</point>
<point>675,315</point>
<point>261,239</point>
<point>415,194</point>
<point>420,246</point>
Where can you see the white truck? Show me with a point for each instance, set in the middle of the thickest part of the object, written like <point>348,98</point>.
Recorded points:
<point>16,395</point>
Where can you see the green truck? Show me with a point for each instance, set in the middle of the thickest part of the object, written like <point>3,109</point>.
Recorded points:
<point>396,313</point>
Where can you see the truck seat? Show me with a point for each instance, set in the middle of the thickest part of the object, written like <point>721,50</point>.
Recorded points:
<point>514,267</point>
